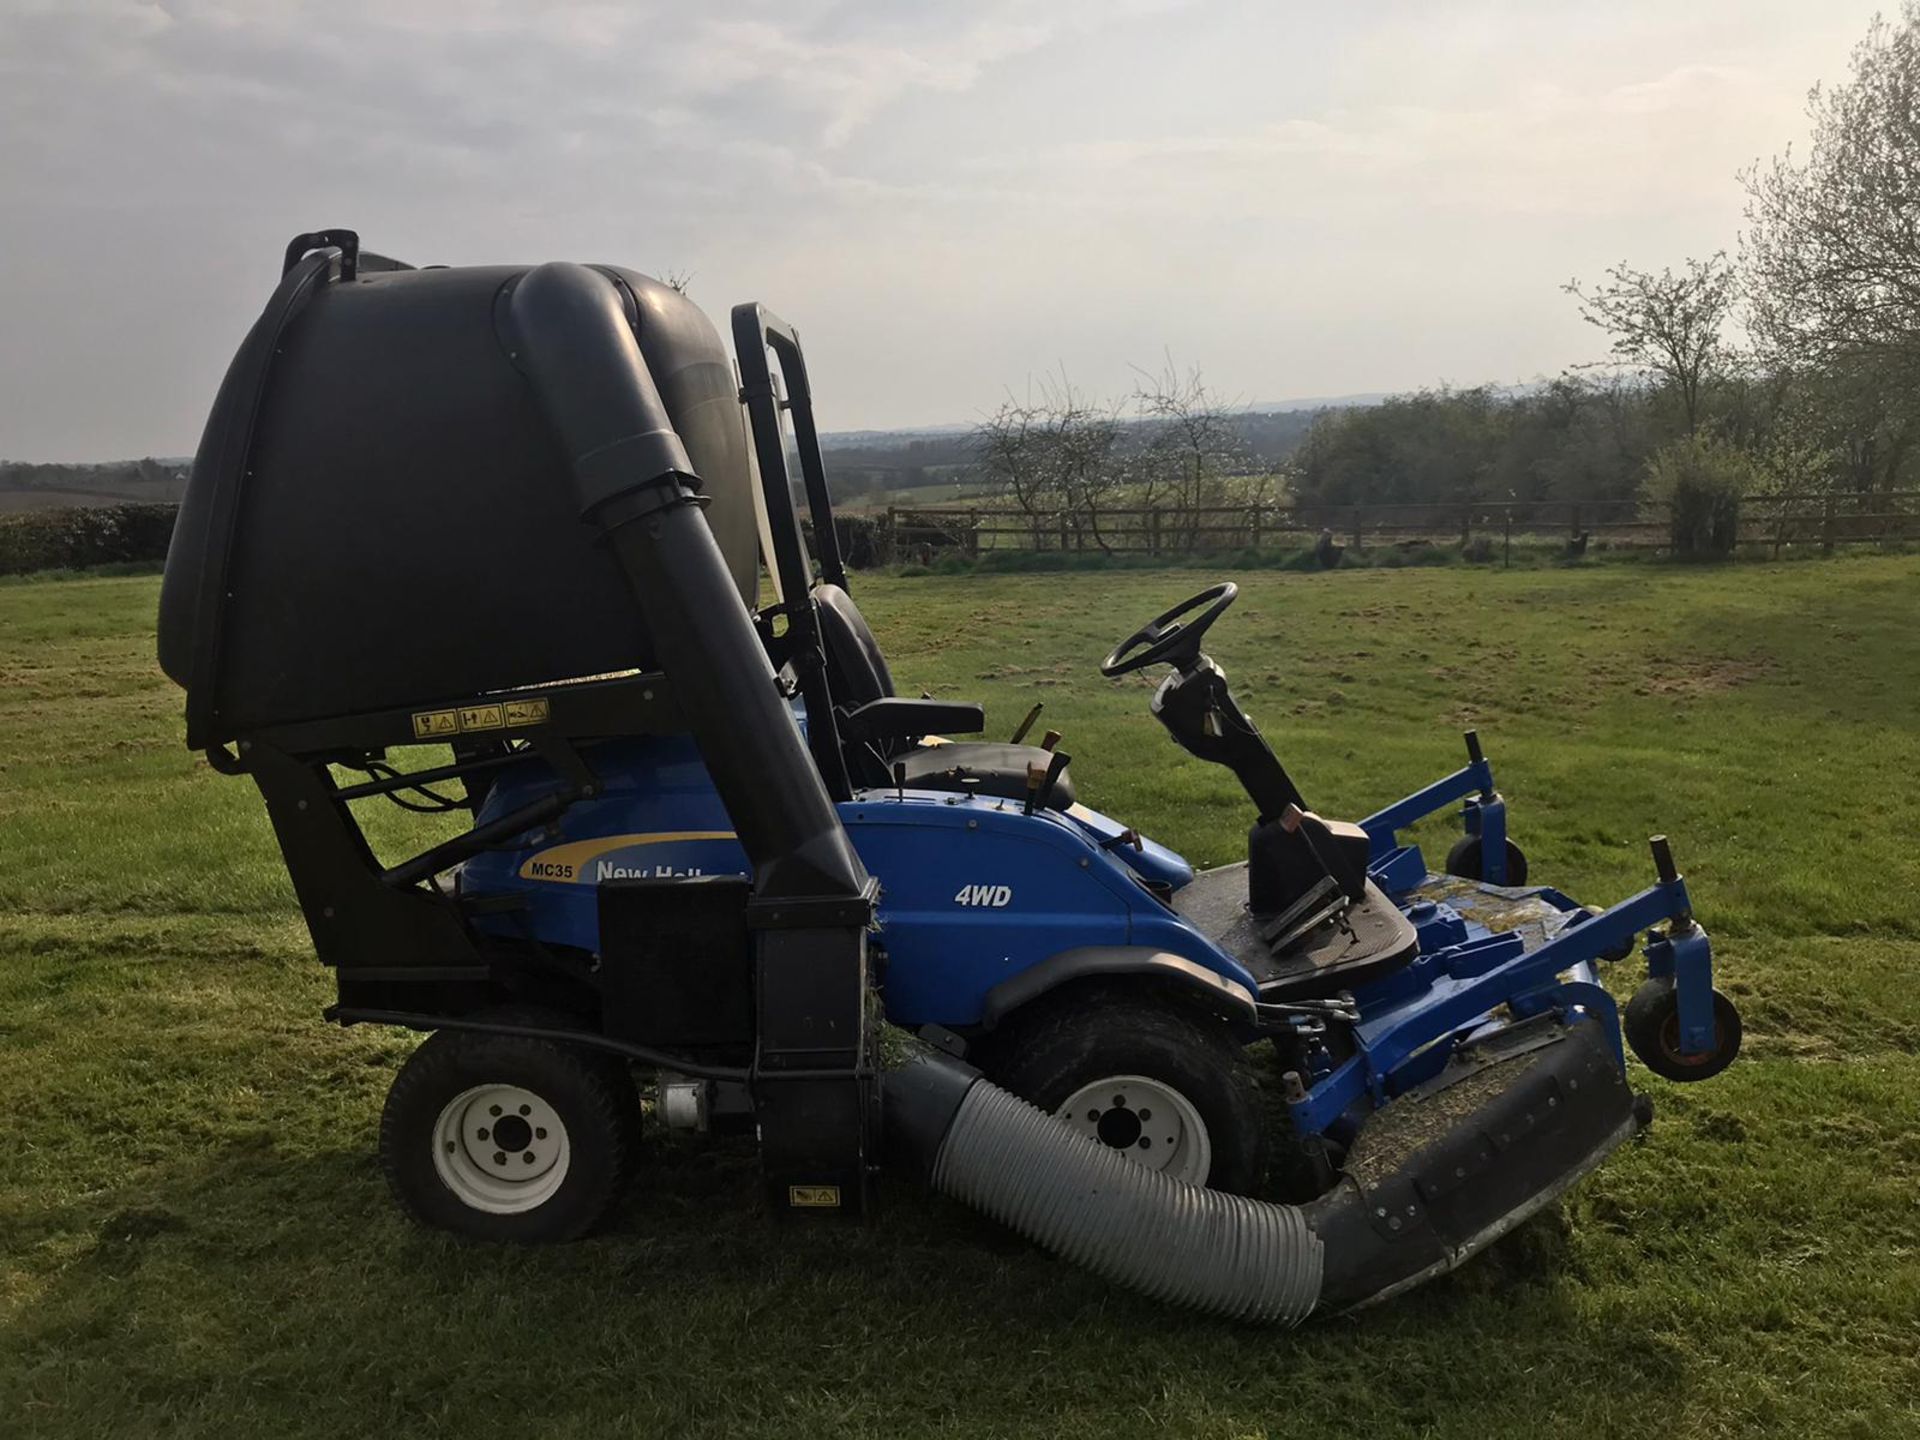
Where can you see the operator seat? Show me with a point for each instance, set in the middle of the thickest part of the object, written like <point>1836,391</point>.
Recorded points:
<point>857,672</point>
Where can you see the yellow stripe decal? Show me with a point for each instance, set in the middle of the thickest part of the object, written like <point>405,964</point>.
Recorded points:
<point>566,862</point>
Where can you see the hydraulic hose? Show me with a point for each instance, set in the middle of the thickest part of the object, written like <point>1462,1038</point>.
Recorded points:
<point>1087,1203</point>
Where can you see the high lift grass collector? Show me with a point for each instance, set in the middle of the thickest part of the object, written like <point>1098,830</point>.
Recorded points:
<point>520,514</point>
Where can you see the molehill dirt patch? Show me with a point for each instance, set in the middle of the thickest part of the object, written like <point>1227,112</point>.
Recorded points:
<point>1693,678</point>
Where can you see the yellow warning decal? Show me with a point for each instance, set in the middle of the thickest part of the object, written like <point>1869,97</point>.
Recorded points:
<point>430,723</point>
<point>527,712</point>
<point>482,717</point>
<point>814,1197</point>
<point>495,715</point>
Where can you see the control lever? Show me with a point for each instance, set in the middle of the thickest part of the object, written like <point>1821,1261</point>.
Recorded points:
<point>1027,724</point>
<point>1040,781</point>
<point>1050,739</point>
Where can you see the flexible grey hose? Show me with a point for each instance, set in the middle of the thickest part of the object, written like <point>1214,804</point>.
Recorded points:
<point>1088,1203</point>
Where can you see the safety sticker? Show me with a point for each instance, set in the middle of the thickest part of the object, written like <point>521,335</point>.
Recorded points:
<point>429,723</point>
<point>436,724</point>
<point>814,1197</point>
<point>527,712</point>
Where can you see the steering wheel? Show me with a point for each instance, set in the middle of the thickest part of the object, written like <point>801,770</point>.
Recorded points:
<point>1169,638</point>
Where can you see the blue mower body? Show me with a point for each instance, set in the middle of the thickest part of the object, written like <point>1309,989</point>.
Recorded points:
<point>984,907</point>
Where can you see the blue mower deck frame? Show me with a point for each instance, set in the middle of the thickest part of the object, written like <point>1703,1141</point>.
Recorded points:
<point>519,514</point>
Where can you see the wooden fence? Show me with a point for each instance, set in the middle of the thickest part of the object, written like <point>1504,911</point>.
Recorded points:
<point>1772,521</point>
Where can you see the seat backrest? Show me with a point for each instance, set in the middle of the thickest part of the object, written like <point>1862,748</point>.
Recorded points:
<point>856,669</point>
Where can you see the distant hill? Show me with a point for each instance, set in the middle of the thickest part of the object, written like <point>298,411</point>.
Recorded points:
<point>931,465</point>
<point>29,486</point>
<point>861,463</point>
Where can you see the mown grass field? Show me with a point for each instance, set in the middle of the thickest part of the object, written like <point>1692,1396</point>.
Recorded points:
<point>195,1238</point>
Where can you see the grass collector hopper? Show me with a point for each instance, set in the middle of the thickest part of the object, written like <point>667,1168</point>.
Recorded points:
<point>486,541</point>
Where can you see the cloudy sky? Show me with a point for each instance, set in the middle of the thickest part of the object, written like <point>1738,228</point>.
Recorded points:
<point>1303,199</point>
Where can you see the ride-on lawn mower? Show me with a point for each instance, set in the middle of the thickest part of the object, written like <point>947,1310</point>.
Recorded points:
<point>519,515</point>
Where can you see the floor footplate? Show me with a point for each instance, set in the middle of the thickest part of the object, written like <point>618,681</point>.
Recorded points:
<point>1360,944</point>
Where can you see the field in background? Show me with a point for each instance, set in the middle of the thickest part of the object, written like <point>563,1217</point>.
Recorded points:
<point>195,1238</point>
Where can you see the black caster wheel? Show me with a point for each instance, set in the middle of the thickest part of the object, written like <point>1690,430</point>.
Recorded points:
<point>1621,951</point>
<point>1464,860</point>
<point>1652,1026</point>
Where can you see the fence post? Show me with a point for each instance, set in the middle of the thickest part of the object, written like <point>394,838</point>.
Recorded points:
<point>1357,525</point>
<point>1153,531</point>
<point>973,534</point>
<point>890,546</point>
<point>1253,512</point>
<point>1575,529</point>
<point>1826,528</point>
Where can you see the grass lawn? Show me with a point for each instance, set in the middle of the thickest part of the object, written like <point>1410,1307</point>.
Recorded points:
<point>195,1238</point>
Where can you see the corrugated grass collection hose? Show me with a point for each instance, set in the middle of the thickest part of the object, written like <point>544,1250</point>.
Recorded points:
<point>1089,1204</point>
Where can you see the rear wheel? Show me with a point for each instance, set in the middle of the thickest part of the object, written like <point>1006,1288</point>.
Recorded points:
<point>503,1138</point>
<point>1464,860</point>
<point>1171,1088</point>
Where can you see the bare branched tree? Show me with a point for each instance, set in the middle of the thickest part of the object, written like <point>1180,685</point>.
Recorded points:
<point>1670,325</point>
<point>1053,456</point>
<point>1007,452</point>
<point>1192,446</point>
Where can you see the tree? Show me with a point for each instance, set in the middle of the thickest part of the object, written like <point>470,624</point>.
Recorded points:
<point>1670,325</point>
<point>1054,457</point>
<point>1192,445</point>
<point>1831,260</point>
<point>1699,482</point>
<point>1007,455</point>
<point>1832,248</point>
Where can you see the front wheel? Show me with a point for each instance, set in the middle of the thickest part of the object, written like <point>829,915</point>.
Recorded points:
<point>504,1138</point>
<point>1173,1089</point>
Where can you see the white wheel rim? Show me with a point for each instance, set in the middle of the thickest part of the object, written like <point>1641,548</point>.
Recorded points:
<point>1152,1123</point>
<point>501,1149</point>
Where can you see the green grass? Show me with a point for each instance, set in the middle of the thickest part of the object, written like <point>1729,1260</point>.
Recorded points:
<point>195,1239</point>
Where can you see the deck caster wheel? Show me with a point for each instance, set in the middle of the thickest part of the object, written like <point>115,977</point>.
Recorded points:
<point>1652,1026</point>
<point>1173,1089</point>
<point>504,1138</point>
<point>1464,860</point>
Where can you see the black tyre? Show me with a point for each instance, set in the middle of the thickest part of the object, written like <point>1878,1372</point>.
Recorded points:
<point>1171,1086</point>
<point>1652,1026</point>
<point>502,1138</point>
<point>1464,860</point>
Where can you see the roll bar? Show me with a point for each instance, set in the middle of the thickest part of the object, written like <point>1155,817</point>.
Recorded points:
<point>755,330</point>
